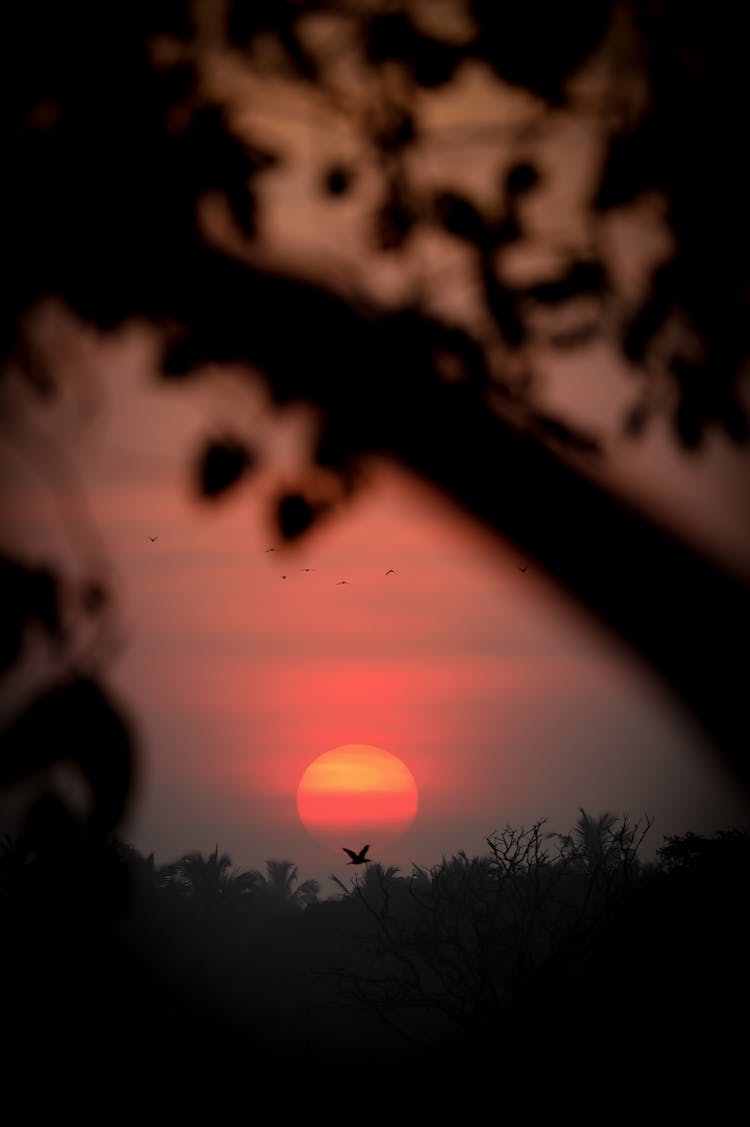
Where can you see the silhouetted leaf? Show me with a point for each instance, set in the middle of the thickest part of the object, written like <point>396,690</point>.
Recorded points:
<point>76,722</point>
<point>337,180</point>
<point>36,373</point>
<point>335,449</point>
<point>581,278</point>
<point>400,129</point>
<point>459,216</point>
<point>568,434</point>
<point>689,422</point>
<point>521,178</point>
<point>182,354</point>
<point>633,165</point>
<point>393,224</point>
<point>295,514</point>
<point>647,322</point>
<point>502,303</point>
<point>735,421</point>
<point>249,18</point>
<point>537,44</point>
<point>217,158</point>
<point>393,36</point>
<point>221,465</point>
<point>435,61</point>
<point>390,35</point>
<point>27,596</point>
<point>242,203</point>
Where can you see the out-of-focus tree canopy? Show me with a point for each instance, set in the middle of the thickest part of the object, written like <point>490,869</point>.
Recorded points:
<point>409,216</point>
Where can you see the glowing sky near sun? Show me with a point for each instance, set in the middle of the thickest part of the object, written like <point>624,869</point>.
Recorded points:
<point>506,703</point>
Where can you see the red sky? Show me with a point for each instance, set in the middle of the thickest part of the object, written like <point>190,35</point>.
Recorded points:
<point>505,702</point>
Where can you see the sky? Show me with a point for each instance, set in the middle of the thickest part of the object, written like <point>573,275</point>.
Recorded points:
<point>505,701</point>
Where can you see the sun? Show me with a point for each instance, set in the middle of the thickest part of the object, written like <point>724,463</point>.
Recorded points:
<point>356,794</point>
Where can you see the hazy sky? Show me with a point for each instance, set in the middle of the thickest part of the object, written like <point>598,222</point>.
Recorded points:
<point>505,701</point>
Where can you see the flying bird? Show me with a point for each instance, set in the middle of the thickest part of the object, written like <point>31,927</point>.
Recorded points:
<point>308,569</point>
<point>272,549</point>
<point>390,571</point>
<point>524,569</point>
<point>283,577</point>
<point>152,538</point>
<point>342,581</point>
<point>358,858</point>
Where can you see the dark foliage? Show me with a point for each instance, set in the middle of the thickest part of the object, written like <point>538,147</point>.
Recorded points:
<point>30,597</point>
<point>337,180</point>
<point>527,959</point>
<point>295,515</point>
<point>221,465</point>
<point>74,722</point>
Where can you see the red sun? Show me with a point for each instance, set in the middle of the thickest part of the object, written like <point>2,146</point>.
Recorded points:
<point>356,794</point>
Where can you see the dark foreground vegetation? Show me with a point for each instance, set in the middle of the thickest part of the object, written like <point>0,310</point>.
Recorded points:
<point>551,963</point>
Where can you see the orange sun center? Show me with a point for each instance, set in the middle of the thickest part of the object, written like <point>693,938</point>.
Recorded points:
<point>356,794</point>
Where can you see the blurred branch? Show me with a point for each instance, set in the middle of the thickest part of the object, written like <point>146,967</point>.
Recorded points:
<point>377,382</point>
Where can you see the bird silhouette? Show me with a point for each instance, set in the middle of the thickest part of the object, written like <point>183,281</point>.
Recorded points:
<point>152,538</point>
<point>283,577</point>
<point>342,581</point>
<point>390,571</point>
<point>358,858</point>
<point>272,549</point>
<point>524,569</point>
<point>308,569</point>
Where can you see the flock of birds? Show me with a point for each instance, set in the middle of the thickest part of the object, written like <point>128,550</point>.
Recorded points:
<point>339,582</point>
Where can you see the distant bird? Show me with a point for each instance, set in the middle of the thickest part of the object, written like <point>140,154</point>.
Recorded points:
<point>283,577</point>
<point>524,569</point>
<point>390,571</point>
<point>358,858</point>
<point>272,549</point>
<point>308,569</point>
<point>342,581</point>
<point>152,538</point>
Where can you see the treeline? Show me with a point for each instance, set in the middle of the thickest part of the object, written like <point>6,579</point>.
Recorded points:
<point>561,950</point>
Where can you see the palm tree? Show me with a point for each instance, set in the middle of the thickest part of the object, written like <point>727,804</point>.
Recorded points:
<point>376,887</point>
<point>593,840</point>
<point>211,881</point>
<point>377,875</point>
<point>277,886</point>
<point>605,847</point>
